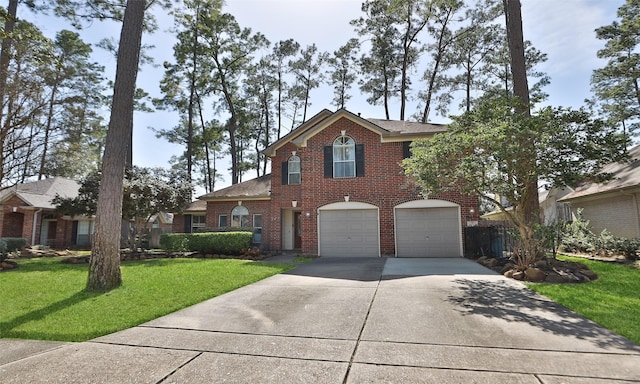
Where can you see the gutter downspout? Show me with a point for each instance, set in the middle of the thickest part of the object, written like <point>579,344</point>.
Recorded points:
<point>33,234</point>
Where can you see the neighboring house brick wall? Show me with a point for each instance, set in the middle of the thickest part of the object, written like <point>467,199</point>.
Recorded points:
<point>617,214</point>
<point>12,222</point>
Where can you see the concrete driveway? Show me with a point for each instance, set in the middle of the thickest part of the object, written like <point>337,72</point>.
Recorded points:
<point>350,321</point>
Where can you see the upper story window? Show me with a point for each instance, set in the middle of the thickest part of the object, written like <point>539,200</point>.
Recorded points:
<point>293,171</point>
<point>344,157</point>
<point>240,217</point>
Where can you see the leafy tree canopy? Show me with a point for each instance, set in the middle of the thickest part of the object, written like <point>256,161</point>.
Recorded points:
<point>482,152</point>
<point>147,192</point>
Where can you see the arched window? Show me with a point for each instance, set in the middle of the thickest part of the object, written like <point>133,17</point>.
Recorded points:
<point>240,217</point>
<point>294,170</point>
<point>344,157</point>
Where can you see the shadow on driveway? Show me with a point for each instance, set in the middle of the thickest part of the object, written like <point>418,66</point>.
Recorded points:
<point>497,299</point>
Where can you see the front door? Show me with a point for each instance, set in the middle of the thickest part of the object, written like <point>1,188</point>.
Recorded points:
<point>297,237</point>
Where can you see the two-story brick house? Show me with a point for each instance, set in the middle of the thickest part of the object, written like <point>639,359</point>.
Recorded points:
<point>337,189</point>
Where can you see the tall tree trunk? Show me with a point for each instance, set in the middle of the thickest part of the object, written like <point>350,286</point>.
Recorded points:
<point>531,204</point>
<point>47,130</point>
<point>5,57</point>
<point>209,179</point>
<point>104,264</point>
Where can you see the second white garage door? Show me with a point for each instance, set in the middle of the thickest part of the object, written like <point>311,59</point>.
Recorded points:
<point>348,232</point>
<point>431,231</point>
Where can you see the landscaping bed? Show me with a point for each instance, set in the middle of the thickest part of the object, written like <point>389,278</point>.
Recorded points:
<point>549,270</point>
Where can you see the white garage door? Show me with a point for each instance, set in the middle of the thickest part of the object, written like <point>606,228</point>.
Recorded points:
<point>349,232</point>
<point>428,232</point>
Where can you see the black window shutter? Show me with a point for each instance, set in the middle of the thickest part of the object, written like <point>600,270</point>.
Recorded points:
<point>187,223</point>
<point>74,233</point>
<point>285,172</point>
<point>359,160</point>
<point>328,161</point>
<point>406,149</point>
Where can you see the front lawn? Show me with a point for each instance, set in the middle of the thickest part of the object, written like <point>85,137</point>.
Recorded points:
<point>613,300</point>
<point>45,299</point>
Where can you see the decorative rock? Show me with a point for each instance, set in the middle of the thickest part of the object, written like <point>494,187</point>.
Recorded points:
<point>508,273</point>
<point>518,275</point>
<point>535,274</point>
<point>491,263</point>
<point>507,267</point>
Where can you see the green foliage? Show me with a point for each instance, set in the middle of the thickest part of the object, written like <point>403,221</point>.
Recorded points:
<point>15,243</point>
<point>175,242</point>
<point>225,243</point>
<point>616,84</point>
<point>146,192</point>
<point>3,249</point>
<point>578,238</point>
<point>11,244</point>
<point>496,150</point>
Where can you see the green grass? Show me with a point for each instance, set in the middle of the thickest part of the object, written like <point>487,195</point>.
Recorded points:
<point>45,299</point>
<point>613,300</point>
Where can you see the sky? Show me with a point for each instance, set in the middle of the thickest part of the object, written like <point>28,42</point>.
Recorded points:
<point>564,30</point>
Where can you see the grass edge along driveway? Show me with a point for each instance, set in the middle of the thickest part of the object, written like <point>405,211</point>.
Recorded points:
<point>613,300</point>
<point>44,299</point>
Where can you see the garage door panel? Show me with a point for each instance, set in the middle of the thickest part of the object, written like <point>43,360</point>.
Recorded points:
<point>428,232</point>
<point>349,233</point>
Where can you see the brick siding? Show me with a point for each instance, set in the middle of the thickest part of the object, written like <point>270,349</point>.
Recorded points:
<point>383,185</point>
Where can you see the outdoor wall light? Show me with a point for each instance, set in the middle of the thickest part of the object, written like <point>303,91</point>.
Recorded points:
<point>472,211</point>
<point>294,203</point>
<point>346,198</point>
<point>307,214</point>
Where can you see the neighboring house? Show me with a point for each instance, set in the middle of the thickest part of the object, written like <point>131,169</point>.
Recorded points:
<point>337,189</point>
<point>26,211</point>
<point>192,219</point>
<point>551,209</point>
<point>613,205</point>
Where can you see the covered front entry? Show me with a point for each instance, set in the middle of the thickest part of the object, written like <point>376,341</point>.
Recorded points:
<point>428,228</point>
<point>291,229</point>
<point>348,229</point>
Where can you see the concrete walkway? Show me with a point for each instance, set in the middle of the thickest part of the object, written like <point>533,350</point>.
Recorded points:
<point>348,321</point>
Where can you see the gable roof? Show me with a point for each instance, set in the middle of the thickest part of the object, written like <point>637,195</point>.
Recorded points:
<point>625,175</point>
<point>389,130</point>
<point>39,194</point>
<point>255,189</point>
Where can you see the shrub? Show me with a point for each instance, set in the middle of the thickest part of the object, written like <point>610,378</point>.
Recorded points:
<point>578,237</point>
<point>15,243</point>
<point>226,243</point>
<point>11,244</point>
<point>174,242</point>
<point>3,249</point>
<point>628,247</point>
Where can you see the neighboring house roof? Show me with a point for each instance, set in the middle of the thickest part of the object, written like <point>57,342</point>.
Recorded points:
<point>625,175</point>
<point>255,189</point>
<point>39,194</point>
<point>197,206</point>
<point>389,130</point>
<point>163,218</point>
